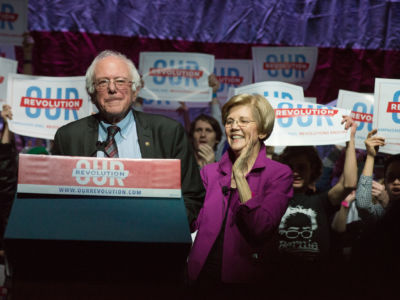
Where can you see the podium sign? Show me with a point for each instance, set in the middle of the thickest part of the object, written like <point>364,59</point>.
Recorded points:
<point>107,235</point>
<point>92,176</point>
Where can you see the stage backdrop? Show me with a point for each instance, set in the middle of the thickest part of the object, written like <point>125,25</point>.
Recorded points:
<point>357,40</point>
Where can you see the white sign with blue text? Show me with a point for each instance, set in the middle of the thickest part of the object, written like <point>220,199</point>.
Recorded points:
<point>7,66</point>
<point>42,104</point>
<point>176,76</point>
<point>13,21</point>
<point>302,123</point>
<point>387,113</point>
<point>273,90</point>
<point>232,73</point>
<point>288,64</point>
<point>362,111</point>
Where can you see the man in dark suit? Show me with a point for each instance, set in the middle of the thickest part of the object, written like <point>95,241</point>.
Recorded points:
<point>113,82</point>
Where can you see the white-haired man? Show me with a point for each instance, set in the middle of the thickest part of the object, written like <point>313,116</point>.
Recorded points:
<point>113,82</point>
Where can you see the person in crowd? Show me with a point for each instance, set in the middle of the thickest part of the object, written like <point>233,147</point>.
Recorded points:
<point>113,82</point>
<point>205,134</point>
<point>304,240</point>
<point>368,188</point>
<point>376,261</point>
<point>246,196</point>
<point>205,127</point>
<point>8,172</point>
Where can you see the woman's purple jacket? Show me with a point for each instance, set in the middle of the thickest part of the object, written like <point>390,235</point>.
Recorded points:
<point>248,226</point>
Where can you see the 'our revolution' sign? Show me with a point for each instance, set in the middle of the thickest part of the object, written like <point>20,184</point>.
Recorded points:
<point>300,123</point>
<point>273,90</point>
<point>7,66</point>
<point>387,113</point>
<point>288,64</point>
<point>92,176</point>
<point>362,111</point>
<point>176,76</point>
<point>41,105</point>
<point>13,21</point>
<point>232,73</point>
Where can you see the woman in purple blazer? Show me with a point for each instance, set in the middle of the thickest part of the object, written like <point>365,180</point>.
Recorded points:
<point>246,196</point>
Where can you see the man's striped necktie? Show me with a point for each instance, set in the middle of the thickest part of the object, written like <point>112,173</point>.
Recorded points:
<point>111,146</point>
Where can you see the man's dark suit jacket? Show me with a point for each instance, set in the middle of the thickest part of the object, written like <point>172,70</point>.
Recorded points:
<point>159,137</point>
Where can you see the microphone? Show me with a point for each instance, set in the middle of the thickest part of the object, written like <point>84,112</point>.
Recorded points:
<point>225,190</point>
<point>100,146</point>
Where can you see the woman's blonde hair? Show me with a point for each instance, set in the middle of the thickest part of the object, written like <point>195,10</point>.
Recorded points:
<point>263,113</point>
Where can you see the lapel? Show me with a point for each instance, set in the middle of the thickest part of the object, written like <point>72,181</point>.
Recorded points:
<point>91,135</point>
<point>225,169</point>
<point>144,134</point>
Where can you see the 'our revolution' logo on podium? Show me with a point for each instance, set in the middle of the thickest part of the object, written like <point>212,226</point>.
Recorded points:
<point>92,176</point>
<point>111,172</point>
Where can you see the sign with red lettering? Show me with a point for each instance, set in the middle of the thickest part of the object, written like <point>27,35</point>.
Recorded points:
<point>92,176</point>
<point>176,76</point>
<point>232,73</point>
<point>362,111</point>
<point>301,123</point>
<point>13,21</point>
<point>387,113</point>
<point>43,104</point>
<point>7,66</point>
<point>294,65</point>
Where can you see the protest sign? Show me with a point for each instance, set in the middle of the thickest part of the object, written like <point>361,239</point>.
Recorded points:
<point>7,66</point>
<point>288,64</point>
<point>13,21</point>
<point>176,76</point>
<point>301,123</point>
<point>387,113</point>
<point>42,104</point>
<point>232,73</point>
<point>362,110</point>
<point>273,90</point>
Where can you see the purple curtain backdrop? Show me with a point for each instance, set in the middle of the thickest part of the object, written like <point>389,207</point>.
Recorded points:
<point>358,40</point>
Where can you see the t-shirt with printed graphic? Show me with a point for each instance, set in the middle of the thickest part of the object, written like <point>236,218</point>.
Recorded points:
<point>304,228</point>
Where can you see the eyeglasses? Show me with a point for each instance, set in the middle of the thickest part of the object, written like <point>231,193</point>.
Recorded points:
<point>294,233</point>
<point>120,83</point>
<point>241,123</point>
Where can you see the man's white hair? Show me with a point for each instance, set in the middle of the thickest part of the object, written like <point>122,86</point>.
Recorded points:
<point>136,81</point>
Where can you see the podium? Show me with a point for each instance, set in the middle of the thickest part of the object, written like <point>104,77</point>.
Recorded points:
<point>75,234</point>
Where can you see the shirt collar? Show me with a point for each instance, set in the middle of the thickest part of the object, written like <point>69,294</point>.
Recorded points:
<point>124,125</point>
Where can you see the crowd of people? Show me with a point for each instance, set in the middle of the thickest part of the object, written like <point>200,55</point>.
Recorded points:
<point>263,222</point>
